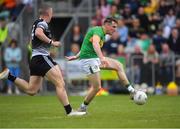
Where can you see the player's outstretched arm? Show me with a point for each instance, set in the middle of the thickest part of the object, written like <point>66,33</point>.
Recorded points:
<point>69,58</point>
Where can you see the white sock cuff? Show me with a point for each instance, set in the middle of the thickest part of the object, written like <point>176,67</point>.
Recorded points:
<point>130,89</point>
<point>83,105</point>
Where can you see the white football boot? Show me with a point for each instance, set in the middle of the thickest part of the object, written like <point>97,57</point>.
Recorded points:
<point>76,113</point>
<point>4,74</point>
<point>82,108</point>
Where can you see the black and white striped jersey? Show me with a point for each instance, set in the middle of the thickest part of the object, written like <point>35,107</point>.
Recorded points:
<point>38,46</point>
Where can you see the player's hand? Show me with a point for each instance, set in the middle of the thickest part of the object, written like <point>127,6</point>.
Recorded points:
<point>69,58</point>
<point>56,43</point>
<point>104,62</point>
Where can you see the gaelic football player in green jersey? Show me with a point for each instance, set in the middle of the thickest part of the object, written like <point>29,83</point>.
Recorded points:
<point>92,59</point>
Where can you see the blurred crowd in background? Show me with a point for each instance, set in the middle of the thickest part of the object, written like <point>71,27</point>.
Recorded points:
<point>10,52</point>
<point>147,39</point>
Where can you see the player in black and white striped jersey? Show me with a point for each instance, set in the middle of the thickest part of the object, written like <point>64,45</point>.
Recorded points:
<point>42,64</point>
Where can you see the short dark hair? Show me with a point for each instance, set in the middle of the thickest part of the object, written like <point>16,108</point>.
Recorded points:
<point>110,20</point>
<point>43,9</point>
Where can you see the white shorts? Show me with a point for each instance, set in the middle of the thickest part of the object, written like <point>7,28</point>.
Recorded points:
<point>90,66</point>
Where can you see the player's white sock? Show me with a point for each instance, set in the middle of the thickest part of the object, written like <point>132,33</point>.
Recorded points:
<point>83,106</point>
<point>131,89</point>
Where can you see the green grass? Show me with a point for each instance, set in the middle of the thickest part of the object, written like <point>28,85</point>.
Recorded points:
<point>104,112</point>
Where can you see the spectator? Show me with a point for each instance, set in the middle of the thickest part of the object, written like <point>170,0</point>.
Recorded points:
<point>166,58</point>
<point>13,57</point>
<point>144,42</point>
<point>154,21</point>
<point>104,7</point>
<point>170,19</point>
<point>163,8</point>
<point>127,14</point>
<point>4,14</point>
<point>77,36</point>
<point>130,45</point>
<point>74,49</point>
<point>151,59</point>
<point>174,41</point>
<point>151,56</point>
<point>114,11</point>
<point>158,40</point>
<point>123,31</point>
<point>14,30</point>
<point>136,29</point>
<point>98,17</point>
<point>3,39</point>
<point>118,4</point>
<point>121,52</point>
<point>168,23</point>
<point>3,31</point>
<point>17,9</point>
<point>144,21</point>
<point>178,24</point>
<point>137,58</point>
<point>111,45</point>
<point>134,4</point>
<point>166,32</point>
<point>177,8</point>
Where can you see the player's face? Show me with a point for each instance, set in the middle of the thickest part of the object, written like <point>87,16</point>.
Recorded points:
<point>50,13</point>
<point>111,27</point>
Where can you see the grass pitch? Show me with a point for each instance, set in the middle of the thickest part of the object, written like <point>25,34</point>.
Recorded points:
<point>104,112</point>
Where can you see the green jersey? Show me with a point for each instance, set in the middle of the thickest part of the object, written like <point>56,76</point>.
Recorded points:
<point>87,50</point>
